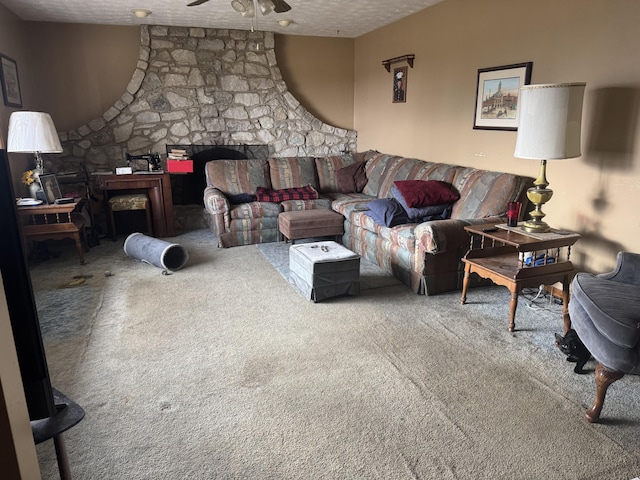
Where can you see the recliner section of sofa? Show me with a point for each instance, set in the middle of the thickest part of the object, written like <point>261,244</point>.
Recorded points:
<point>425,256</point>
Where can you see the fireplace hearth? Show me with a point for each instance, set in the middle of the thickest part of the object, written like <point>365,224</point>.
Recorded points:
<point>188,188</point>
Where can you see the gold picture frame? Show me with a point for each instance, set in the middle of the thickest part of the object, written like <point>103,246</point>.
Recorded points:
<point>497,93</point>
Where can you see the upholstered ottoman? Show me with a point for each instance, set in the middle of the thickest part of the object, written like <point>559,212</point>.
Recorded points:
<point>310,223</point>
<point>322,270</point>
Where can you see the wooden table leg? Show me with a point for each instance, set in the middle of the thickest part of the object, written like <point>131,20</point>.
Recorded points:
<point>513,305</point>
<point>79,247</point>
<point>465,283</point>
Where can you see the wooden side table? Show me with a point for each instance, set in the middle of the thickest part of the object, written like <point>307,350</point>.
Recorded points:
<point>498,253</point>
<point>53,222</point>
<point>156,185</point>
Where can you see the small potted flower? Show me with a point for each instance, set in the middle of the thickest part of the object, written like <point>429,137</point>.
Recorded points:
<point>30,179</point>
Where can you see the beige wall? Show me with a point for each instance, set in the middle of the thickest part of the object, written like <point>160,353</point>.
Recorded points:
<point>319,73</point>
<point>595,41</point>
<point>13,44</point>
<point>86,68</point>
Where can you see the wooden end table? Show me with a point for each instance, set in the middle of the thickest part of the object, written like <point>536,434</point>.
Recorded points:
<point>53,222</point>
<point>498,253</point>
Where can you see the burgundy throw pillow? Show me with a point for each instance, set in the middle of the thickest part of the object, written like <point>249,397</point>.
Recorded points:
<point>423,193</point>
<point>352,178</point>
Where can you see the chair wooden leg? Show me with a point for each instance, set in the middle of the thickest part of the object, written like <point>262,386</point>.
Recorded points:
<point>604,378</point>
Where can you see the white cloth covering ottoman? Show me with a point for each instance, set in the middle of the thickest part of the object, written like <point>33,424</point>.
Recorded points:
<point>322,270</point>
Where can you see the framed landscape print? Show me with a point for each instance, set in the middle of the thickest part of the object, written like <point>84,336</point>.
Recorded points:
<point>497,94</point>
<point>10,82</point>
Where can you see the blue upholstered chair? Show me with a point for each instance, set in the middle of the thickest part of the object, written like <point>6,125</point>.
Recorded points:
<point>605,312</point>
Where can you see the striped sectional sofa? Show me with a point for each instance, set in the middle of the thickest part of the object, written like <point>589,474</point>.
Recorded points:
<point>425,256</point>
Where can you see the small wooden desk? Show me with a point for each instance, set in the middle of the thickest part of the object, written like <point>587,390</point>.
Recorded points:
<point>53,222</point>
<point>499,256</point>
<point>157,186</point>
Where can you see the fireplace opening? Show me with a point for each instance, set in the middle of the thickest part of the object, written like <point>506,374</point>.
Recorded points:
<point>188,189</point>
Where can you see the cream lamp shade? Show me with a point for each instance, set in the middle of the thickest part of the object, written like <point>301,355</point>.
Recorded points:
<point>550,121</point>
<point>33,132</point>
<point>548,129</point>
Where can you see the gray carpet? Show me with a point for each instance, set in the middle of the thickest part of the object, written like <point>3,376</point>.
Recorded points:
<point>221,370</point>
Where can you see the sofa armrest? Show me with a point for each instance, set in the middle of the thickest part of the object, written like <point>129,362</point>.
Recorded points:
<point>627,269</point>
<point>440,236</point>
<point>215,201</point>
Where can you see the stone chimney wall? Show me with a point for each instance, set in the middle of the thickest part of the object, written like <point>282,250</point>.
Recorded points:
<point>201,86</point>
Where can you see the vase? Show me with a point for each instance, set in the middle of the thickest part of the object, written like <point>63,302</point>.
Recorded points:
<point>33,190</point>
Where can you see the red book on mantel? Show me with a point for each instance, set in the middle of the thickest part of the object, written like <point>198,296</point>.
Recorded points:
<point>179,166</point>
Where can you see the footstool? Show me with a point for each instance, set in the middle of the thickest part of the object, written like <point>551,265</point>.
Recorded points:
<point>322,270</point>
<point>310,223</point>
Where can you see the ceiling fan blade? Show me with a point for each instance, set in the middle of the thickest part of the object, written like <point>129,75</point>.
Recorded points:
<point>196,2</point>
<point>281,6</point>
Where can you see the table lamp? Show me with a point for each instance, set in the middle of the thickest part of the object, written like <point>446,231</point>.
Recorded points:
<point>549,129</point>
<point>33,132</point>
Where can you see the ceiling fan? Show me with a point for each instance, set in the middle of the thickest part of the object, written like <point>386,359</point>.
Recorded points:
<point>246,7</point>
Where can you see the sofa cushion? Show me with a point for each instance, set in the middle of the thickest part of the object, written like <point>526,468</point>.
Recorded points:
<point>327,168</point>
<point>402,235</point>
<point>352,178</point>
<point>382,170</point>
<point>254,210</point>
<point>425,193</point>
<point>613,307</point>
<point>233,177</point>
<point>485,193</point>
<point>292,172</point>
<point>387,212</point>
<point>319,203</point>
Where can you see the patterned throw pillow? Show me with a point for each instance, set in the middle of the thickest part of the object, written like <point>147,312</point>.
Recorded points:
<point>276,196</point>
<point>352,178</point>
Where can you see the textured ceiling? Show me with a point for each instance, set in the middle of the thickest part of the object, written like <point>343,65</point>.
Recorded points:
<point>327,18</point>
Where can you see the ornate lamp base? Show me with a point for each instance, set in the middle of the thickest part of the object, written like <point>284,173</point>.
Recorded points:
<point>538,195</point>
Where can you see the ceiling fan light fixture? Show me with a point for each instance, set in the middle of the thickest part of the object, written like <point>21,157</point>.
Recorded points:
<point>285,22</point>
<point>141,12</point>
<point>242,6</point>
<point>266,6</point>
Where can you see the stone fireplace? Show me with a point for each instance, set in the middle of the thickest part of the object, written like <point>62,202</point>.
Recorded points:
<point>197,86</point>
<point>187,189</point>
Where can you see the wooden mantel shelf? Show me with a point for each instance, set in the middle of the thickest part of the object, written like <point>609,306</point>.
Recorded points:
<point>408,58</point>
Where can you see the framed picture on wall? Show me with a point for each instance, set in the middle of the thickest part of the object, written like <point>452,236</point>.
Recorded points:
<point>400,84</point>
<point>10,82</point>
<point>497,94</point>
<point>50,187</point>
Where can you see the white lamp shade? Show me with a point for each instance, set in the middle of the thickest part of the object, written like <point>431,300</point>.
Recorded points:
<point>550,121</point>
<point>31,132</point>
